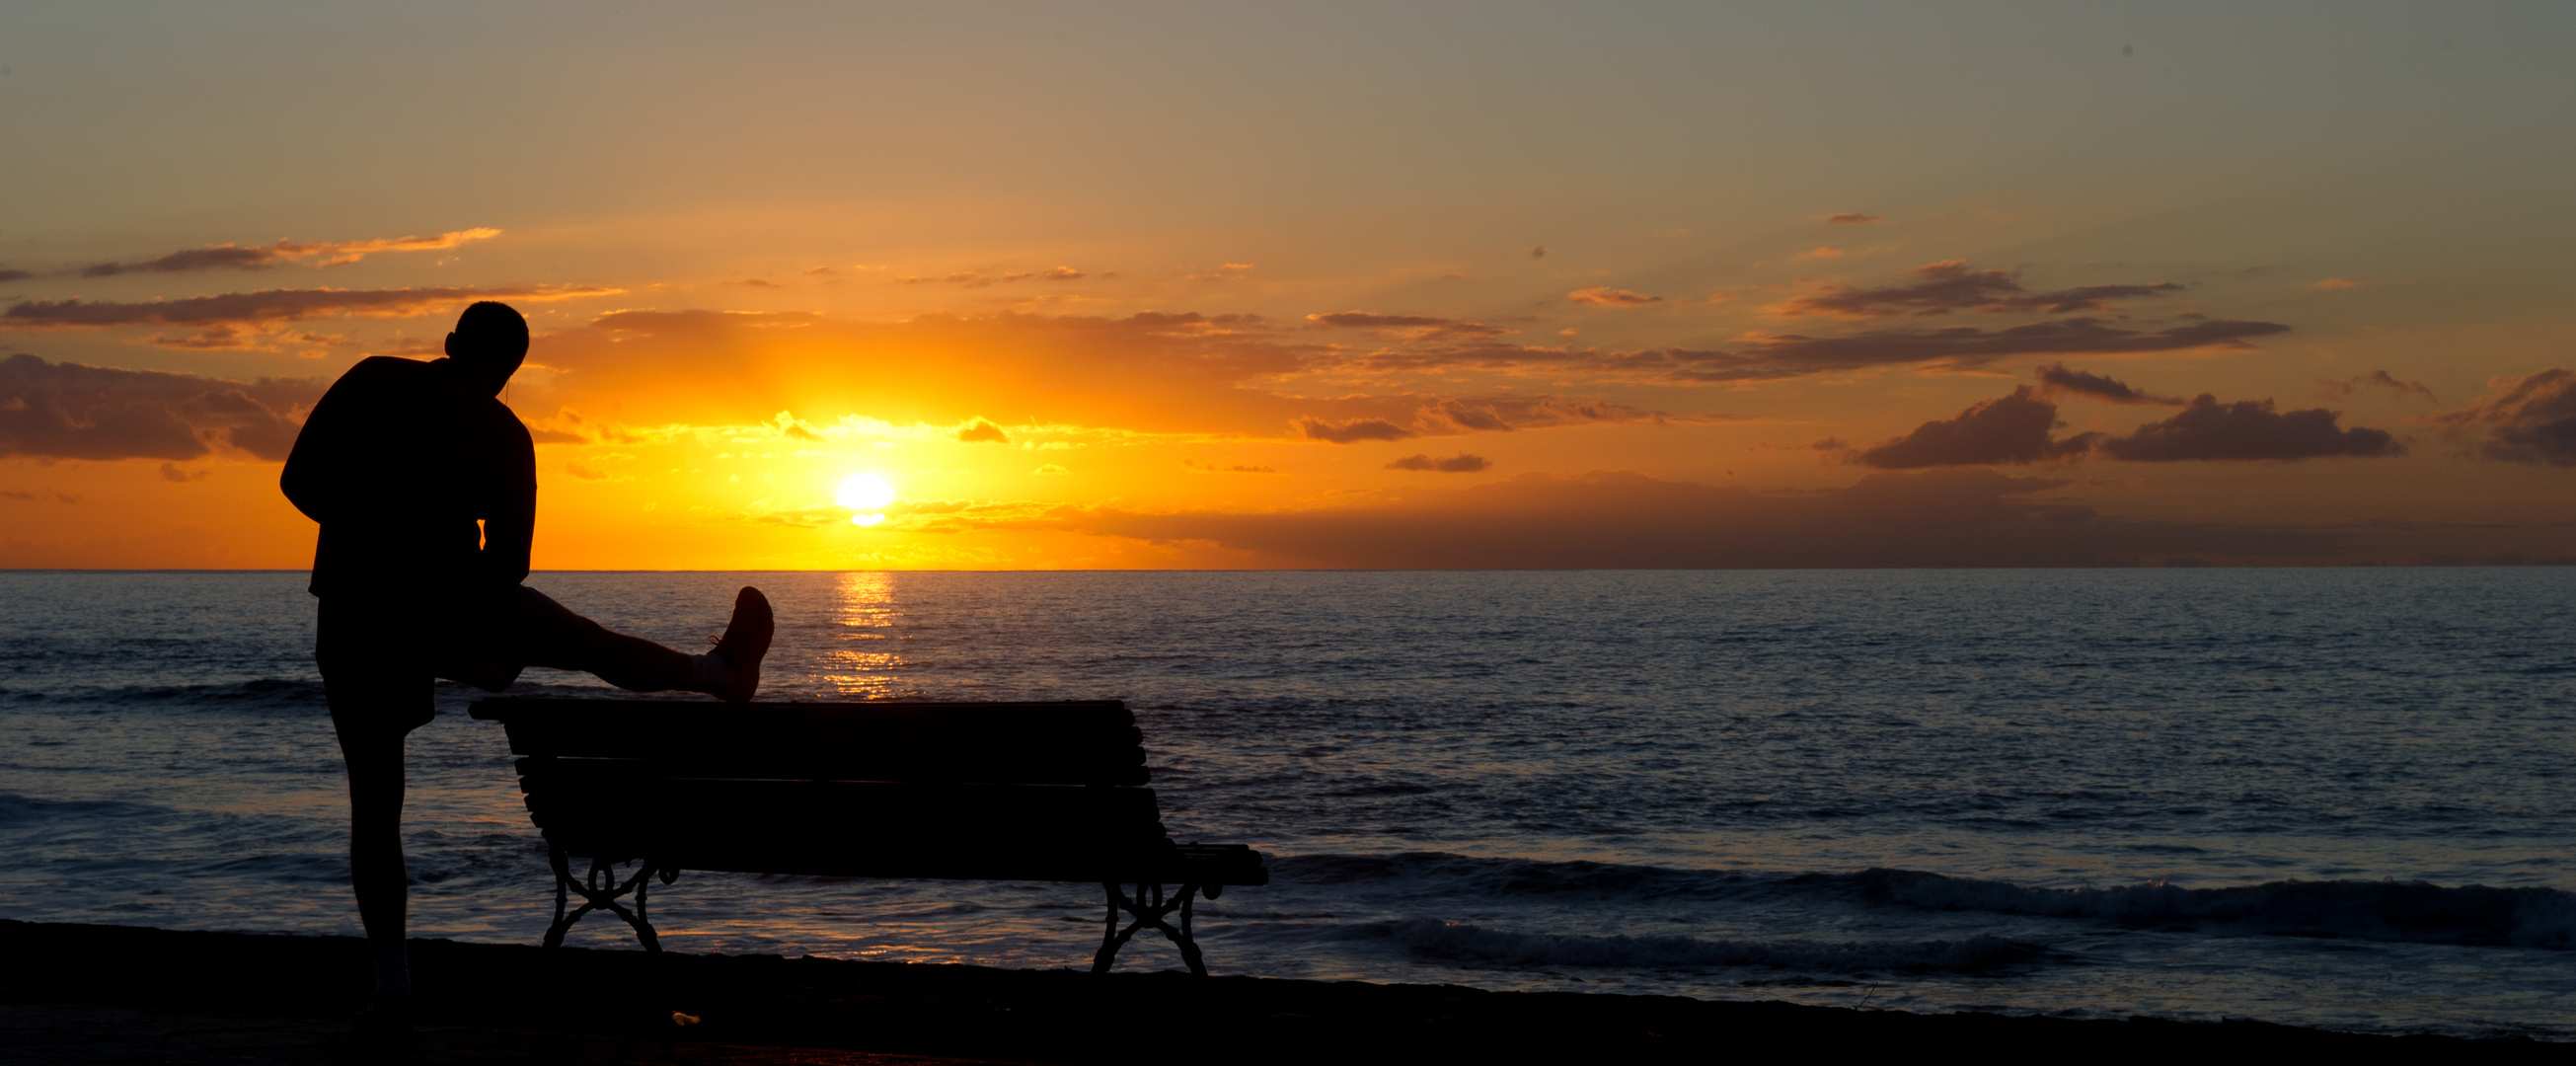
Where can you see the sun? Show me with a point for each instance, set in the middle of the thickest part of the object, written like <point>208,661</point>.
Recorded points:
<point>865,493</point>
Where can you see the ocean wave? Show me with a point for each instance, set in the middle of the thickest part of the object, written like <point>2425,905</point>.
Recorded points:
<point>2367,910</point>
<point>2388,910</point>
<point>255,694</point>
<point>29,810</point>
<point>1475,943</point>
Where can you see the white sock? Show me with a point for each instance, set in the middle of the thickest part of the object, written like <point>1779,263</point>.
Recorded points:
<point>393,967</point>
<point>710,674</point>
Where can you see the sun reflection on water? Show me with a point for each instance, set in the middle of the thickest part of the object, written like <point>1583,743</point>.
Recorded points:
<point>864,613</point>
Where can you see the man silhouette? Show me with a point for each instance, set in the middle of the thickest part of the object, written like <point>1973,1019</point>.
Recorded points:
<point>426,488</point>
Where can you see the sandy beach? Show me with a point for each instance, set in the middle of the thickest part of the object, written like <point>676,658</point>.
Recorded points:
<point>101,994</point>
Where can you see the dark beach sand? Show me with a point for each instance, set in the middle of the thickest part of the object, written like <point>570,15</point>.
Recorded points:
<point>98,994</point>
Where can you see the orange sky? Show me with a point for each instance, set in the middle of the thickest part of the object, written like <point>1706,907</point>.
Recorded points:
<point>1358,286</point>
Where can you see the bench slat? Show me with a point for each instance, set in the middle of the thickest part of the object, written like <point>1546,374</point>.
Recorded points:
<point>1110,767</point>
<point>853,829</point>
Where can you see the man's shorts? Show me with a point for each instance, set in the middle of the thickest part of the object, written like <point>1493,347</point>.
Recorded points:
<point>381,657</point>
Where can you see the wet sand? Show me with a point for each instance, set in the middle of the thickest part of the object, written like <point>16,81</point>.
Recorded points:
<point>114,994</point>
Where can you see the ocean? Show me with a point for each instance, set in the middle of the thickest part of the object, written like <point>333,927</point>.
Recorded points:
<point>2326,797</point>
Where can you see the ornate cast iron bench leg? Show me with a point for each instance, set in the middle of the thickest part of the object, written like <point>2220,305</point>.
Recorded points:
<point>1149,908</point>
<point>599,892</point>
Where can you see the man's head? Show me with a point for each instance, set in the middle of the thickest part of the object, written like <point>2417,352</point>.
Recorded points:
<point>489,343</point>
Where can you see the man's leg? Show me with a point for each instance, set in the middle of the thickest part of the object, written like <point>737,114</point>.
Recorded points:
<point>379,689</point>
<point>376,871</point>
<point>550,635</point>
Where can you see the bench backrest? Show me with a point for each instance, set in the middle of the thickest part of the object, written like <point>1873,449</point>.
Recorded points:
<point>1068,743</point>
<point>1032,791</point>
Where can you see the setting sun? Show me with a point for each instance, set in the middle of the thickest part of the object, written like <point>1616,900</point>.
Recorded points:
<point>865,493</point>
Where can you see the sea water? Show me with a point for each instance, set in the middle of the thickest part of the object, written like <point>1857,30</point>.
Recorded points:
<point>2321,797</point>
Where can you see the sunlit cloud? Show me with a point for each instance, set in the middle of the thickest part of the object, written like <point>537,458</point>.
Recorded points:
<point>266,256</point>
<point>2528,419</point>
<point>1602,296</point>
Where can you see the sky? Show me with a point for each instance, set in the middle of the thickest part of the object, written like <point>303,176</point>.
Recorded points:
<point>1317,285</point>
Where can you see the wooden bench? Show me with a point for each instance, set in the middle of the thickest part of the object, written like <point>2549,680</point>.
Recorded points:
<point>970,791</point>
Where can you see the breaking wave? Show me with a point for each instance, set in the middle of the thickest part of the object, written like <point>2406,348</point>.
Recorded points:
<point>1474,943</point>
<point>2364,910</point>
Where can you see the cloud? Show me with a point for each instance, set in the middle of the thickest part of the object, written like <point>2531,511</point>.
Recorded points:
<point>976,279</point>
<point>1854,218</point>
<point>266,307</point>
<point>71,411</point>
<point>1408,325</point>
<point>2341,283</point>
<point>2529,419</point>
<point>982,430</point>
<point>16,275</point>
<point>1619,519</point>
<point>1050,469</point>
<point>1208,468</point>
<point>2008,429</point>
<point>1350,431</point>
<point>1608,297</point>
<point>2337,390</point>
<point>2057,379</point>
<point>1821,251</point>
<point>1791,355</point>
<point>2247,429</point>
<point>1461,463</point>
<point>265,256</point>
<point>1444,416</point>
<point>1952,285</point>
<point>31,497</point>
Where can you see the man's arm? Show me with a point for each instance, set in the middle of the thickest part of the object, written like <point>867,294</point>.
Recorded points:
<point>317,468</point>
<point>512,527</point>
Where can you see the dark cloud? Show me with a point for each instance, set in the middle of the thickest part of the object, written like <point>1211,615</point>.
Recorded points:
<point>2380,378</point>
<point>2247,429</point>
<point>1609,297</point>
<point>70,411</point>
<point>982,430</point>
<point>2059,379</point>
<point>2529,419</point>
<point>2008,429</point>
<point>1790,355</point>
<point>263,307</point>
<point>1943,518</point>
<point>1953,285</point>
<point>1854,218</point>
<point>16,275</point>
<point>1351,431</point>
<point>31,497</point>
<point>1409,325</point>
<point>264,256</point>
<point>1461,463</point>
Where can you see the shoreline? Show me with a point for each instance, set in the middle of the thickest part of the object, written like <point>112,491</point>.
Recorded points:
<point>135,994</point>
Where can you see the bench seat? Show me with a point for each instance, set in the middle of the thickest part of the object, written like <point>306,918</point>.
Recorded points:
<point>976,791</point>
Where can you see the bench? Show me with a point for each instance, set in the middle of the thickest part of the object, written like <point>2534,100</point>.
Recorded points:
<point>970,791</point>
